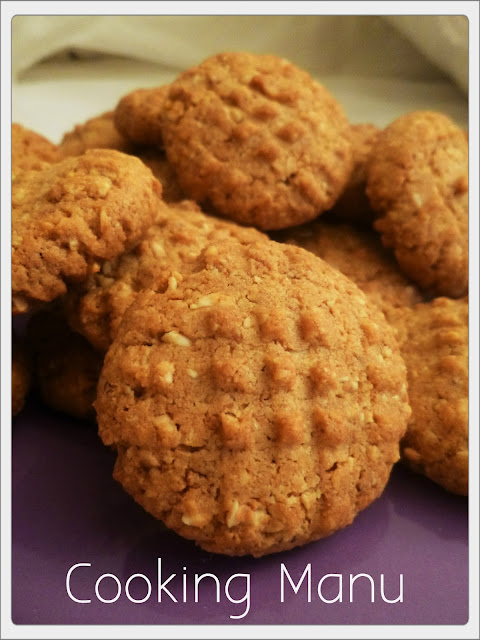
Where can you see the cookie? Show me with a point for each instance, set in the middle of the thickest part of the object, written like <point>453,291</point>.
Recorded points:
<point>21,373</point>
<point>30,150</point>
<point>359,255</point>
<point>66,367</point>
<point>98,132</point>
<point>165,254</point>
<point>353,205</point>
<point>256,139</point>
<point>417,181</point>
<point>259,405</point>
<point>137,115</point>
<point>433,339</point>
<point>71,216</point>
<point>157,162</point>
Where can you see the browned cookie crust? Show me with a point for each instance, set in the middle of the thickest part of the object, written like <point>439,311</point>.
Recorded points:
<point>259,405</point>
<point>66,367</point>
<point>30,150</point>
<point>21,373</point>
<point>353,204</point>
<point>257,139</point>
<point>433,339</point>
<point>360,256</point>
<point>98,132</point>
<point>417,180</point>
<point>137,115</point>
<point>166,253</point>
<point>73,215</point>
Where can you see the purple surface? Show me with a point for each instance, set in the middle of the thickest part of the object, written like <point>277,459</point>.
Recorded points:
<point>67,509</point>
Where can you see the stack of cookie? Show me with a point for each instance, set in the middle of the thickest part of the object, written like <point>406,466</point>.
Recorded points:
<point>249,279</point>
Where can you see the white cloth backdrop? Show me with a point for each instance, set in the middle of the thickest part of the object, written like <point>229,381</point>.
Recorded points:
<point>68,68</point>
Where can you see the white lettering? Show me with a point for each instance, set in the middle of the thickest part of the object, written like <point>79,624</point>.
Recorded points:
<point>127,587</point>
<point>382,590</point>
<point>69,574</point>
<point>97,590</point>
<point>362,575</point>
<point>161,585</point>
<point>206,575</point>
<point>246,597</point>
<point>296,588</point>
<point>338,597</point>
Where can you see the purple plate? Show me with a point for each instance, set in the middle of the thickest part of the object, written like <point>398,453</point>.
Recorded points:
<point>404,560</point>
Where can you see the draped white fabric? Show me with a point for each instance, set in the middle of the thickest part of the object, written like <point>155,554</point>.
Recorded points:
<point>67,68</point>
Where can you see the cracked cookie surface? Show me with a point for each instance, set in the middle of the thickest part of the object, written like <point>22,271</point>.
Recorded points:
<point>259,405</point>
<point>165,254</point>
<point>257,139</point>
<point>417,181</point>
<point>71,216</point>
<point>433,339</point>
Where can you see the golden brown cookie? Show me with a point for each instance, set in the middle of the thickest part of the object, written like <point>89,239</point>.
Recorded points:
<point>157,161</point>
<point>257,139</point>
<point>71,216</point>
<point>359,255</point>
<point>137,115</point>
<point>30,150</point>
<point>433,339</point>
<point>165,254</point>
<point>259,405</point>
<point>417,181</point>
<point>66,367</point>
<point>98,132</point>
<point>21,373</point>
<point>353,205</point>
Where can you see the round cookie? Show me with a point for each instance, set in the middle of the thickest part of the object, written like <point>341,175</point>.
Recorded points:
<point>433,339</point>
<point>353,205</point>
<point>259,405</point>
<point>137,115</point>
<point>66,367</point>
<point>21,373</point>
<point>417,181</point>
<point>359,255</point>
<point>71,216</point>
<point>30,150</point>
<point>166,253</point>
<point>256,139</point>
<point>98,132</point>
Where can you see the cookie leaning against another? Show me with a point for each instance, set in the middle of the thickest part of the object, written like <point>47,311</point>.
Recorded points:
<point>66,367</point>
<point>256,139</point>
<point>353,205</point>
<point>360,256</point>
<point>137,115</point>
<point>417,181</point>
<point>433,339</point>
<point>98,132</point>
<point>299,397</point>
<point>165,254</point>
<point>30,150</point>
<point>71,216</point>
